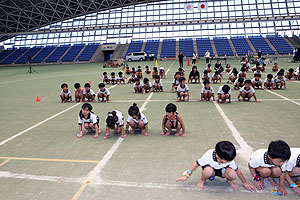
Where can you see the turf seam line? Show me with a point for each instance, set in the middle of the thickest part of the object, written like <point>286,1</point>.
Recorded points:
<point>100,166</point>
<point>290,100</point>
<point>4,162</point>
<point>50,160</point>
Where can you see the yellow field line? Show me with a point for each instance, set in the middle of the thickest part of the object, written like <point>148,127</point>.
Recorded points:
<point>80,190</point>
<point>49,160</point>
<point>4,162</point>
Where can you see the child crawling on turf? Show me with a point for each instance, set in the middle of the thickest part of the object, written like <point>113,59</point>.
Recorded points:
<point>103,93</point>
<point>207,92</point>
<point>89,120</point>
<point>65,94</point>
<point>267,163</point>
<point>78,92</point>
<point>224,93</point>
<point>172,120</point>
<point>115,121</point>
<point>292,167</point>
<point>247,92</point>
<point>218,162</point>
<point>136,120</point>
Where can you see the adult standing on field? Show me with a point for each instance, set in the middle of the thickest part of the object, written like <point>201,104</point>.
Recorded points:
<point>180,57</point>
<point>259,53</point>
<point>207,55</point>
<point>194,58</point>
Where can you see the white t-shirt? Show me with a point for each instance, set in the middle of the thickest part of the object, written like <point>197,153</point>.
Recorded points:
<point>194,56</point>
<point>159,83</point>
<point>142,117</point>
<point>294,160</point>
<point>207,54</point>
<point>149,84</point>
<point>175,81</point>
<point>89,92</point>
<point>216,75</point>
<point>267,81</point>
<point>205,76</point>
<point>106,91</point>
<point>207,90</point>
<point>243,89</point>
<point>120,121</point>
<point>121,77</point>
<point>277,79</point>
<point>64,93</point>
<point>137,86</point>
<point>113,78</point>
<point>92,118</point>
<point>106,77</point>
<point>220,91</point>
<point>260,159</point>
<point>209,158</point>
<point>256,81</point>
<point>184,89</point>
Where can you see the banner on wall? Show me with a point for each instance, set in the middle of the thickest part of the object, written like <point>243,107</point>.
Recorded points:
<point>202,6</point>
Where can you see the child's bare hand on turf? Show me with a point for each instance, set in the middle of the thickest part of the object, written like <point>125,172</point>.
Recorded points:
<point>249,186</point>
<point>282,190</point>
<point>182,178</point>
<point>297,190</point>
<point>259,185</point>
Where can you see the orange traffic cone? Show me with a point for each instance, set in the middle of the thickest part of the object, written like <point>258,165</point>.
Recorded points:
<point>188,62</point>
<point>90,82</point>
<point>37,99</point>
<point>197,60</point>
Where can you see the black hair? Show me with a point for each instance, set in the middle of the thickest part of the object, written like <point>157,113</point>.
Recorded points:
<point>87,85</point>
<point>136,79</point>
<point>139,67</point>
<point>133,110</point>
<point>87,105</point>
<point>181,79</point>
<point>120,73</point>
<point>280,73</point>
<point>241,80</point>
<point>206,82</point>
<point>156,77</point>
<point>111,119</point>
<point>127,67</point>
<point>218,60</point>
<point>243,69</point>
<point>101,85</point>
<point>257,75</point>
<point>225,150</point>
<point>270,76</point>
<point>281,70</point>
<point>279,149</point>
<point>76,85</point>
<point>291,70</point>
<point>64,85</point>
<point>234,70</point>
<point>257,64</point>
<point>177,73</point>
<point>225,89</point>
<point>146,80</point>
<point>139,70</point>
<point>180,69</point>
<point>104,73</point>
<point>146,66</point>
<point>113,73</point>
<point>155,69</point>
<point>248,81</point>
<point>194,67</point>
<point>205,72</point>
<point>217,72</point>
<point>209,65</point>
<point>171,108</point>
<point>133,69</point>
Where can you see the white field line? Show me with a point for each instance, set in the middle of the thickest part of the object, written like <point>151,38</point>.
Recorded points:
<point>284,97</point>
<point>40,123</point>
<point>174,100</point>
<point>245,150</point>
<point>95,173</point>
<point>130,184</point>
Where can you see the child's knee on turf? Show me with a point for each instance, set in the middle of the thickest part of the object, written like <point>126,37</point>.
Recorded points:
<point>230,174</point>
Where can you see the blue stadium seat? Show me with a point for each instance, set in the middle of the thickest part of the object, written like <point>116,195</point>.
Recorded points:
<point>280,44</point>
<point>5,53</point>
<point>204,44</point>
<point>152,47</point>
<point>260,43</point>
<point>168,49</point>
<point>223,47</point>
<point>43,54</point>
<point>134,46</point>
<point>241,45</point>
<point>88,52</point>
<point>31,52</point>
<point>59,51</point>
<point>72,53</point>
<point>186,46</point>
<point>12,57</point>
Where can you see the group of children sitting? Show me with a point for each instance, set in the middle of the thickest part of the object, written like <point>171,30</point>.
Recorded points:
<point>278,161</point>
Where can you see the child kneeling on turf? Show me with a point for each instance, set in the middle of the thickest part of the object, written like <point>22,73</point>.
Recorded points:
<point>65,94</point>
<point>182,90</point>
<point>78,92</point>
<point>115,121</point>
<point>207,92</point>
<point>224,93</point>
<point>172,120</point>
<point>136,120</point>
<point>247,92</point>
<point>266,163</point>
<point>89,119</point>
<point>218,162</point>
<point>103,93</point>
<point>292,167</point>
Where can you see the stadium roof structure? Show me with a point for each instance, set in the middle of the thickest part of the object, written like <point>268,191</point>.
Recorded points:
<point>28,15</point>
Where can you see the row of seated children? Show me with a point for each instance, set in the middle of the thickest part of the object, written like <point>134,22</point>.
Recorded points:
<point>136,120</point>
<point>146,86</point>
<point>86,94</point>
<point>277,161</point>
<point>224,93</point>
